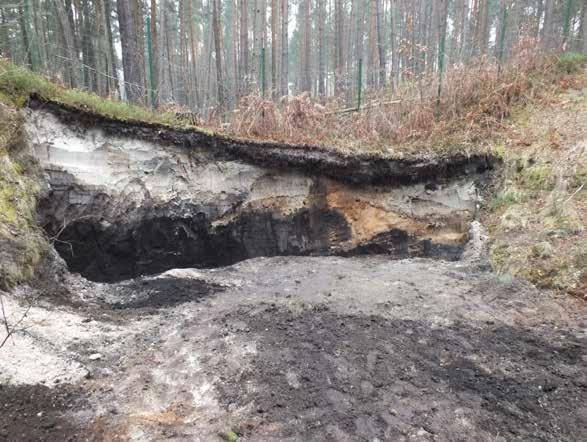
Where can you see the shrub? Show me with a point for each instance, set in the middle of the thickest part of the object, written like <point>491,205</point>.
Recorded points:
<point>571,62</point>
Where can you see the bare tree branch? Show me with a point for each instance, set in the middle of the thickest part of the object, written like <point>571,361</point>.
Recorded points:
<point>11,330</point>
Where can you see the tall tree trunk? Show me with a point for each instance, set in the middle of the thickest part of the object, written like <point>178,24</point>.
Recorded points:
<point>112,59</point>
<point>39,25</point>
<point>485,27</point>
<point>359,10</point>
<point>393,45</point>
<point>255,56</point>
<point>373,52</point>
<point>25,36</point>
<point>71,63</point>
<point>548,37</point>
<point>338,47</point>
<point>101,52</point>
<point>155,50</point>
<point>458,33</point>
<point>580,40</point>
<point>235,49</point>
<point>139,36</point>
<point>131,38</point>
<point>306,83</point>
<point>380,44</point>
<point>244,46</point>
<point>194,53</point>
<point>321,52</point>
<point>284,48</point>
<point>166,71</point>
<point>4,39</point>
<point>183,54</point>
<point>88,51</point>
<point>218,53</point>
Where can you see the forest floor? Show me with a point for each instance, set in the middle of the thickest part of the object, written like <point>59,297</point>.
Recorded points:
<point>300,348</point>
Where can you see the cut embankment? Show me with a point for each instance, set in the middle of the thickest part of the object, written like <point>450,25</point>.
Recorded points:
<point>126,200</point>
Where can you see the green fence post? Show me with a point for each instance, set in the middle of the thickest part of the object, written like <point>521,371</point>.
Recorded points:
<point>150,54</point>
<point>359,84</point>
<point>566,22</point>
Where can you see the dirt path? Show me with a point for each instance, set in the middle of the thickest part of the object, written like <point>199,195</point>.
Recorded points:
<point>303,349</point>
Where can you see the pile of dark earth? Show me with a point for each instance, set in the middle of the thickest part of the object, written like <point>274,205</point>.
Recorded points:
<point>36,413</point>
<point>324,375</point>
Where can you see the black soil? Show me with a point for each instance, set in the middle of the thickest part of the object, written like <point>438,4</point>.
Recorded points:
<point>39,413</point>
<point>372,377</point>
<point>154,244</point>
<point>153,294</point>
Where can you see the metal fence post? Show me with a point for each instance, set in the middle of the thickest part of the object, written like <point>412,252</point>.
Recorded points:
<point>150,54</point>
<point>566,22</point>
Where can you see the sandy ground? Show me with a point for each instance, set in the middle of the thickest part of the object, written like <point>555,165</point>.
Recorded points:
<point>301,349</point>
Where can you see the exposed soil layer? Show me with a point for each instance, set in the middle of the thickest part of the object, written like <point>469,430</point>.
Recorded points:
<point>367,169</point>
<point>120,206</point>
<point>320,374</point>
<point>153,245</point>
<point>31,413</point>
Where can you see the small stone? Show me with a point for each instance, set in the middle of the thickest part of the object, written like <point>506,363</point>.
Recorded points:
<point>48,424</point>
<point>95,356</point>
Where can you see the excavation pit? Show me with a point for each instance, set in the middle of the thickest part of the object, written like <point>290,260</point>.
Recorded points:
<point>126,200</point>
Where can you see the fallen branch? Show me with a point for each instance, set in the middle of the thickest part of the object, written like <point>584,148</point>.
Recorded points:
<point>55,238</point>
<point>11,330</point>
<point>574,193</point>
<point>366,106</point>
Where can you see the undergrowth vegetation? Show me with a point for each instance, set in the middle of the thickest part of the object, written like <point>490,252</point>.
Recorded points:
<point>22,244</point>
<point>537,219</point>
<point>402,122</point>
<point>474,104</point>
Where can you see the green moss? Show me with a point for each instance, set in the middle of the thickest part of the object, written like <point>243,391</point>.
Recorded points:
<point>229,436</point>
<point>562,225</point>
<point>22,245</point>
<point>506,198</point>
<point>17,84</point>
<point>500,151</point>
<point>521,116</point>
<point>7,203</point>
<point>499,257</point>
<point>538,177</point>
<point>543,250</point>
